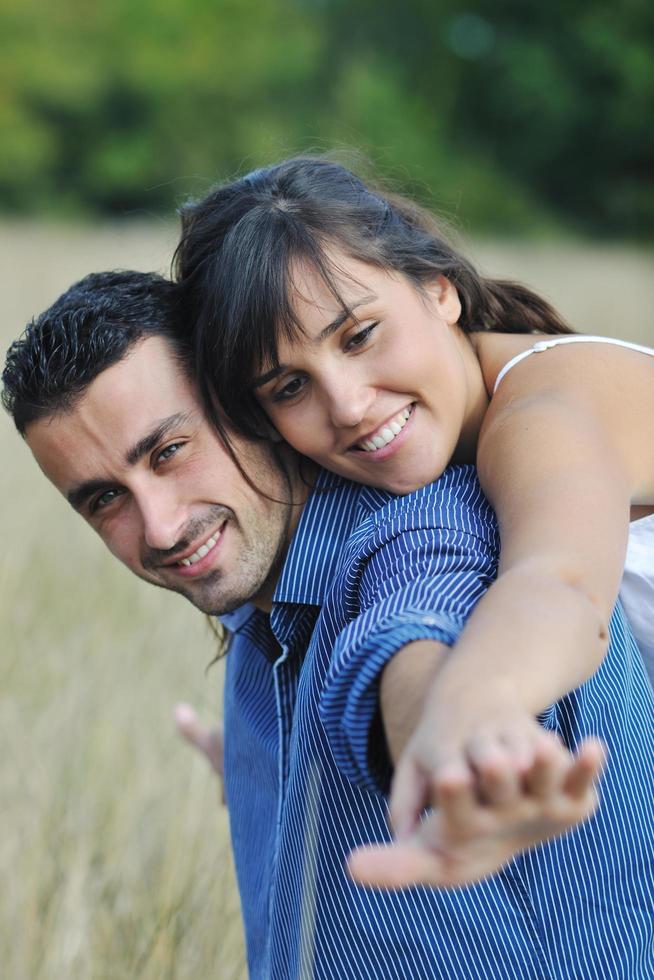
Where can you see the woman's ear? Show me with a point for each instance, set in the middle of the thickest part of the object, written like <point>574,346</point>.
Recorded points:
<point>445,298</point>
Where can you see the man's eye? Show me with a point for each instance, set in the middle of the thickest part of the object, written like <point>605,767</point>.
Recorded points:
<point>359,338</point>
<point>290,389</point>
<point>105,499</point>
<point>169,451</point>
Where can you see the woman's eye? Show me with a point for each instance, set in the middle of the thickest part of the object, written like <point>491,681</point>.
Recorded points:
<point>290,389</point>
<point>359,338</point>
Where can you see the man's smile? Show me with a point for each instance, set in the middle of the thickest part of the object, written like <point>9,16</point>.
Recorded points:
<point>203,550</point>
<point>197,561</point>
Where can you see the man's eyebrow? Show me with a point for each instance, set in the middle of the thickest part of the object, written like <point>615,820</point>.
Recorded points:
<point>154,437</point>
<point>80,493</point>
<point>331,328</point>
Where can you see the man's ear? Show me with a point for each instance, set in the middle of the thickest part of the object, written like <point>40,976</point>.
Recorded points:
<point>446,300</point>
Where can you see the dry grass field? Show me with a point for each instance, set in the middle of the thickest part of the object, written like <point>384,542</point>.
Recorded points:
<point>114,851</point>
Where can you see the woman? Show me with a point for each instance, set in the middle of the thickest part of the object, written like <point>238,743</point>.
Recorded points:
<point>345,321</point>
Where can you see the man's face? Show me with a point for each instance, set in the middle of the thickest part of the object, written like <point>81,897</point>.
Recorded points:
<point>138,460</point>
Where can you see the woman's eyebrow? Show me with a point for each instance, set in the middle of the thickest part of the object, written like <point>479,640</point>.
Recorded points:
<point>346,314</point>
<point>263,379</point>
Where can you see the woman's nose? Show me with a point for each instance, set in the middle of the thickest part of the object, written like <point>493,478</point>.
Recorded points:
<point>349,401</point>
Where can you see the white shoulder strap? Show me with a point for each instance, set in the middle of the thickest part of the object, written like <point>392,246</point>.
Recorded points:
<point>544,345</point>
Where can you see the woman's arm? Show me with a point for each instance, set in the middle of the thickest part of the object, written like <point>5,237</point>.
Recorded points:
<point>563,452</point>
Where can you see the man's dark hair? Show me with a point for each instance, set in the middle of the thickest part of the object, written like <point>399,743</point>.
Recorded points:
<point>92,326</point>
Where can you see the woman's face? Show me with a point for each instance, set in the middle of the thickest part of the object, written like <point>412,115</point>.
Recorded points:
<point>387,396</point>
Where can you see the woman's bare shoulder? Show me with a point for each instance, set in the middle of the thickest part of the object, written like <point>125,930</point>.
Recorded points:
<point>586,387</point>
<point>496,350</point>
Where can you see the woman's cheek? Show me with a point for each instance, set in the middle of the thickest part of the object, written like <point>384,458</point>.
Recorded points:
<point>289,424</point>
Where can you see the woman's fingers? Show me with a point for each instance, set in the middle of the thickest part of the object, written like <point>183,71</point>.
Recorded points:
<point>588,767</point>
<point>497,771</point>
<point>396,866</point>
<point>409,796</point>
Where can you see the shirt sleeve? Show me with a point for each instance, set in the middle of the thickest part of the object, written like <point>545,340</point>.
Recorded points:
<point>419,577</point>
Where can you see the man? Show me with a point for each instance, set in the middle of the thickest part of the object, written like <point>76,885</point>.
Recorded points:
<point>338,581</point>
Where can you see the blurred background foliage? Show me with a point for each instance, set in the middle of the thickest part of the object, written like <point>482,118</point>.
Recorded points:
<point>511,115</point>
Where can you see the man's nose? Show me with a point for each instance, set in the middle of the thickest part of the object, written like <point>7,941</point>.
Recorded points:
<point>163,519</point>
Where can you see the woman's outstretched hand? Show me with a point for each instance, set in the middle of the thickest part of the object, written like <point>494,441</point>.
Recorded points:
<point>493,782</point>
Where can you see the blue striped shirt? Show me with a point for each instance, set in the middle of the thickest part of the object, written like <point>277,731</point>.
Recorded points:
<point>306,770</point>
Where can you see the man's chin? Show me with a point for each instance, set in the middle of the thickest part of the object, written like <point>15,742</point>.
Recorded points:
<point>226,606</point>
<point>209,600</point>
<point>207,595</point>
<point>211,594</point>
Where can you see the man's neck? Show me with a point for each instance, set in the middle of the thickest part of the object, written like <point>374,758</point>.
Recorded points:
<point>301,485</point>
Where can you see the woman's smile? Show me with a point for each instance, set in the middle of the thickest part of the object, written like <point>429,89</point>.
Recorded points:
<point>386,436</point>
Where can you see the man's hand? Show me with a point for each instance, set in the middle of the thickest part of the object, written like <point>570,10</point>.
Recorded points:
<point>209,741</point>
<point>495,783</point>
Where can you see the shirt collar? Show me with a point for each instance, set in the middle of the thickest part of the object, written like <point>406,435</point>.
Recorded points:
<point>234,620</point>
<point>327,520</point>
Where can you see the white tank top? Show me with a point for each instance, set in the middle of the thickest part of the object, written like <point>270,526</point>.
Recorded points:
<point>637,588</point>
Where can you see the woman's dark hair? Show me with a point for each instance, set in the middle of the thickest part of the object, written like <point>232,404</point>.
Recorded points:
<point>241,244</point>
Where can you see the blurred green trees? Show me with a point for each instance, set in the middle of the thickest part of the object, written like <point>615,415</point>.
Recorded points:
<point>509,114</point>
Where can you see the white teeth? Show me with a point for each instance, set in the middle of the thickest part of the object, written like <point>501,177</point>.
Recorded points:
<point>203,550</point>
<point>387,433</point>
